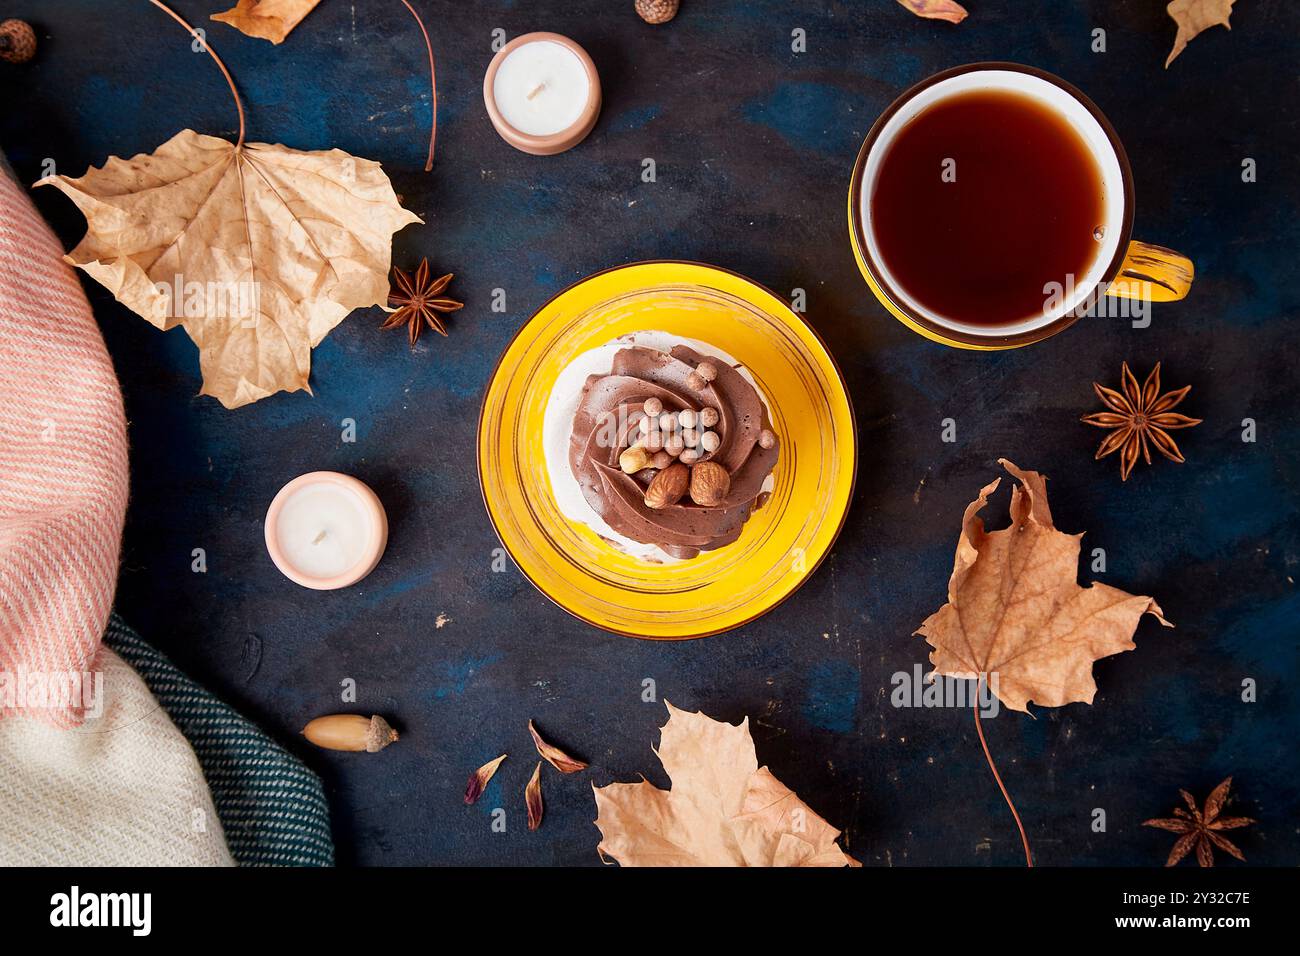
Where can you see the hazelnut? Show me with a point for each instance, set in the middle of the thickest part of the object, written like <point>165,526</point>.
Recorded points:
<point>634,459</point>
<point>707,371</point>
<point>709,484</point>
<point>710,441</point>
<point>690,456</point>
<point>688,418</point>
<point>766,439</point>
<point>661,460</point>
<point>668,486</point>
<point>674,445</point>
<point>653,407</point>
<point>709,417</point>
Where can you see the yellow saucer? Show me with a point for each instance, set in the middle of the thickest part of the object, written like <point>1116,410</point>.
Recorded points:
<point>781,543</point>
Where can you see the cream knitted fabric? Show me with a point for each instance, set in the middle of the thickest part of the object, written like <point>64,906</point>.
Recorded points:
<point>123,789</point>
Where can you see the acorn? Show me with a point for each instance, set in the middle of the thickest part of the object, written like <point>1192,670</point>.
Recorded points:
<point>350,732</point>
<point>17,41</point>
<point>657,11</point>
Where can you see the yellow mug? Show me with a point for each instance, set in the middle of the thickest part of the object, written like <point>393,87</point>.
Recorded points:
<point>1122,268</point>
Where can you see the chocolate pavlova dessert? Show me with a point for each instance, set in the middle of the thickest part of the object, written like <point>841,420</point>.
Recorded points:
<point>671,447</point>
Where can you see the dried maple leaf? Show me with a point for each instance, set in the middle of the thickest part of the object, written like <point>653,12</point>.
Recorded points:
<point>267,19</point>
<point>1194,17</point>
<point>1016,614</point>
<point>936,9</point>
<point>723,809</point>
<point>1200,828</point>
<point>298,239</point>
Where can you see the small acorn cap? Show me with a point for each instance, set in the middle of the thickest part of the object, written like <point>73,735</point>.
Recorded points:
<point>379,735</point>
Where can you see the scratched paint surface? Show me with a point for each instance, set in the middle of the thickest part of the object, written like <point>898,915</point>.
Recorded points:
<point>753,146</point>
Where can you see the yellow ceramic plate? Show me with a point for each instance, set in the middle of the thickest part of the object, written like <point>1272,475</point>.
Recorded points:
<point>781,543</point>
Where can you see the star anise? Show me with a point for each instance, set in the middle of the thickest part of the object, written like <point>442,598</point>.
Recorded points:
<point>1140,418</point>
<point>419,301</point>
<point>1200,828</point>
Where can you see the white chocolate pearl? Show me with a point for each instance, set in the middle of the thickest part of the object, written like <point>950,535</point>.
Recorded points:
<point>653,441</point>
<point>690,456</point>
<point>688,418</point>
<point>766,439</point>
<point>710,441</point>
<point>696,381</point>
<point>667,422</point>
<point>707,371</point>
<point>653,406</point>
<point>709,417</point>
<point>647,425</point>
<point>674,445</point>
<point>691,437</point>
<point>661,460</point>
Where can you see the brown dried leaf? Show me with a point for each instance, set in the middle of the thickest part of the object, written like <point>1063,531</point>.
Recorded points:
<point>533,798</point>
<point>267,19</point>
<point>1195,16</point>
<point>478,780</point>
<point>723,809</point>
<point>936,9</point>
<point>1015,612</point>
<point>298,239</point>
<point>556,757</point>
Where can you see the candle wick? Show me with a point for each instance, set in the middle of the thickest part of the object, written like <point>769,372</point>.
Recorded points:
<point>319,538</point>
<point>536,89</point>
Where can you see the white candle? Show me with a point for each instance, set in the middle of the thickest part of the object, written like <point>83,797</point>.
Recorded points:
<point>541,88</point>
<point>542,93</point>
<point>325,530</point>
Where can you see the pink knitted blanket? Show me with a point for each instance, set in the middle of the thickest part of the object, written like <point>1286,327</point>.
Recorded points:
<point>63,470</point>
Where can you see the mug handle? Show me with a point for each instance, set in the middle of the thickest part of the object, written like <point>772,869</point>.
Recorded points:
<point>1152,274</point>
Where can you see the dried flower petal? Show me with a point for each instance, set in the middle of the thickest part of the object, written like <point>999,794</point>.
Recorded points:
<point>533,798</point>
<point>478,780</point>
<point>948,10</point>
<point>556,757</point>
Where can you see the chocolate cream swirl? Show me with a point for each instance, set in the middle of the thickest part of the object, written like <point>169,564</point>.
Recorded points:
<point>607,422</point>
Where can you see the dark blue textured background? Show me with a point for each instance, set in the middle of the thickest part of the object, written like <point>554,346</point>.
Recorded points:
<point>754,145</point>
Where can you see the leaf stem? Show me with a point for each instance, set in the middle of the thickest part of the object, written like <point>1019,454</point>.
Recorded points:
<point>433,85</point>
<point>1029,859</point>
<point>239,106</point>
